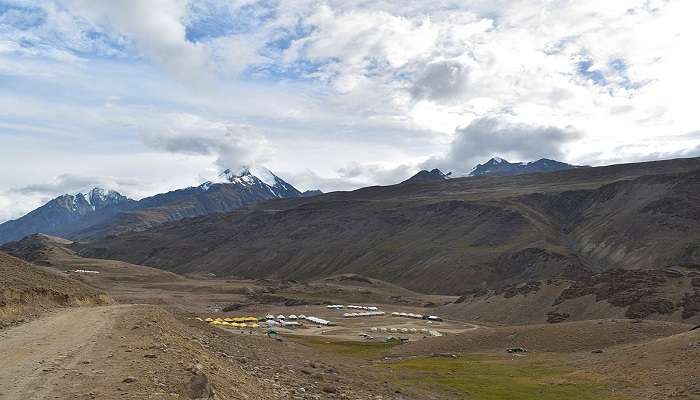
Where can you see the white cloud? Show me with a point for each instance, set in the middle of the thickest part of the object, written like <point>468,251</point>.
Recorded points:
<point>490,137</point>
<point>233,145</point>
<point>338,94</point>
<point>155,26</point>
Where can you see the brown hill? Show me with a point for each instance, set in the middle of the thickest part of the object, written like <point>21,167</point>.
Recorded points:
<point>671,294</point>
<point>26,289</point>
<point>448,236</point>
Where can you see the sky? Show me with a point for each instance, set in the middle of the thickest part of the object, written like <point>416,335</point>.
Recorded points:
<point>149,96</point>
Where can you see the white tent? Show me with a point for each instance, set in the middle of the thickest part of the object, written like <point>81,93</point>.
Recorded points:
<point>318,320</point>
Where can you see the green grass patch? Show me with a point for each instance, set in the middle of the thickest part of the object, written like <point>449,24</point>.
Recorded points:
<point>495,377</point>
<point>348,348</point>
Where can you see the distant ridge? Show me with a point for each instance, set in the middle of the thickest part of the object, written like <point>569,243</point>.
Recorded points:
<point>445,237</point>
<point>427,176</point>
<point>501,167</point>
<point>101,212</point>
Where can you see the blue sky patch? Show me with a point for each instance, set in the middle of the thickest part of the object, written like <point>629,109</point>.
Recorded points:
<point>22,18</point>
<point>584,69</point>
<point>211,20</point>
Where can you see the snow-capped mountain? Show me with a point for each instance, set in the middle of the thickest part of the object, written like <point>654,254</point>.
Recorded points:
<point>99,212</point>
<point>500,167</point>
<point>66,214</point>
<point>263,178</point>
<point>100,198</point>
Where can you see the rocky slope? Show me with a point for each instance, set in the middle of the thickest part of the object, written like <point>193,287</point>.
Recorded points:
<point>671,294</point>
<point>26,290</point>
<point>446,236</point>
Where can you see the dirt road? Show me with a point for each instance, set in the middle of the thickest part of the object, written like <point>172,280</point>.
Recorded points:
<point>39,355</point>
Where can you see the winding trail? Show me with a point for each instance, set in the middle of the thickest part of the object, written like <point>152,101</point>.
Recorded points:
<point>38,358</point>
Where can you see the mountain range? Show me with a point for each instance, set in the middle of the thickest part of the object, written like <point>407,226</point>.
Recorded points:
<point>500,167</point>
<point>100,212</point>
<point>495,167</point>
<point>445,236</point>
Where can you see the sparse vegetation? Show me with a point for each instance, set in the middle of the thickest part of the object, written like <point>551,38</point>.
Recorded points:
<point>496,377</point>
<point>368,350</point>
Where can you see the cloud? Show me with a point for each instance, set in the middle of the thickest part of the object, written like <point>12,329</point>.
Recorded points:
<point>65,183</point>
<point>155,26</point>
<point>441,80</point>
<point>233,145</point>
<point>351,176</point>
<point>17,201</point>
<point>376,174</point>
<point>349,90</point>
<point>75,183</point>
<point>490,137</point>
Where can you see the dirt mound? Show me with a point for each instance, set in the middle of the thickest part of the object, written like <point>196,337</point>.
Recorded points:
<point>26,290</point>
<point>565,337</point>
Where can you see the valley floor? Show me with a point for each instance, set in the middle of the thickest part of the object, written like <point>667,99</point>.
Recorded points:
<point>151,346</point>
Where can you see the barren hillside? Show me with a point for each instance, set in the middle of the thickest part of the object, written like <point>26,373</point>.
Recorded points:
<point>449,236</point>
<point>27,290</point>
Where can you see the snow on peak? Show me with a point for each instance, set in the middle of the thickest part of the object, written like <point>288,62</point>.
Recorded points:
<point>264,175</point>
<point>498,160</point>
<point>261,177</point>
<point>98,197</point>
<point>251,176</point>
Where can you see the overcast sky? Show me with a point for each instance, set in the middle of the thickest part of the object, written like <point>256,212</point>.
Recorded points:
<point>148,96</point>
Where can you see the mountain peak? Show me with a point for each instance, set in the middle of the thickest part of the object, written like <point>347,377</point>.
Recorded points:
<point>261,177</point>
<point>98,197</point>
<point>497,166</point>
<point>427,176</point>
